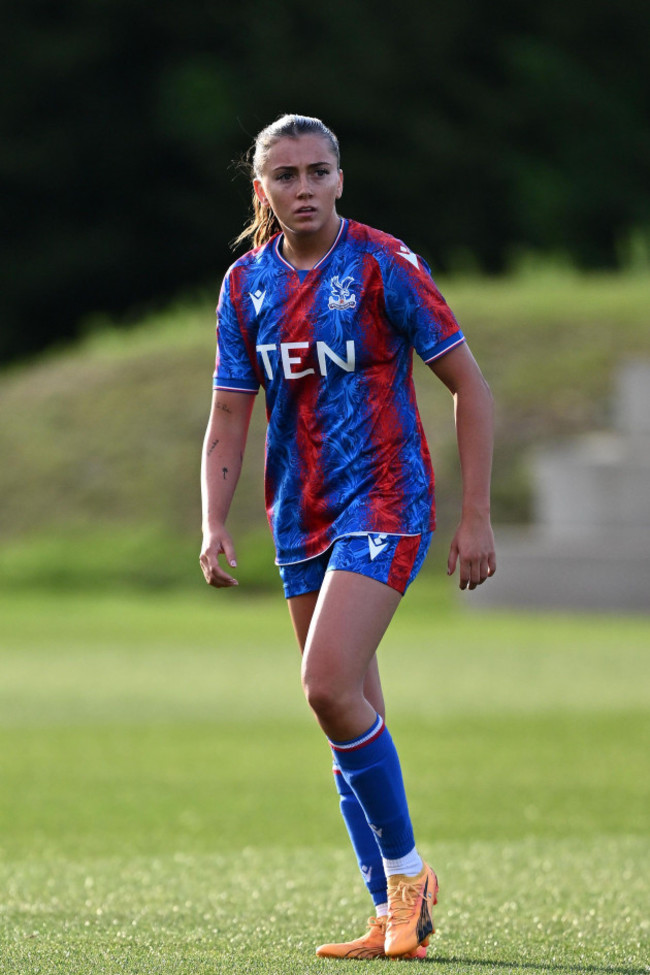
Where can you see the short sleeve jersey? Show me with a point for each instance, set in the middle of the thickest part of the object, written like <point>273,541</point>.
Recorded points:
<point>345,447</point>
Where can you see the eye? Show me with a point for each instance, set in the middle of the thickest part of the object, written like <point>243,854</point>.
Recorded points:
<point>284,177</point>
<point>322,172</point>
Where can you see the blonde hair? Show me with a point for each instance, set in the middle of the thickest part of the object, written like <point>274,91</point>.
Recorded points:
<point>263,224</point>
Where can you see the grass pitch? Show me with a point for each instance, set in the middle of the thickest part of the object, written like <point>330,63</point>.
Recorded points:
<point>166,803</point>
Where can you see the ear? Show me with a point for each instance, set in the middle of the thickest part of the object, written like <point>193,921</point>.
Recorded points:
<point>339,191</point>
<point>259,192</point>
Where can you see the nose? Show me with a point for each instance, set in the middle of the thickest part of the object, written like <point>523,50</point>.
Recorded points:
<point>304,188</point>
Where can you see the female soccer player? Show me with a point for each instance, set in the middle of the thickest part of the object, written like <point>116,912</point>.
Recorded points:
<point>324,313</point>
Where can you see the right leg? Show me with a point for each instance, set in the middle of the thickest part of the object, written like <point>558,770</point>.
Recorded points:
<point>364,843</point>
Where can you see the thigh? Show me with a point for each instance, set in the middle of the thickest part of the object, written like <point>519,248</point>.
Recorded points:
<point>349,619</point>
<point>301,610</point>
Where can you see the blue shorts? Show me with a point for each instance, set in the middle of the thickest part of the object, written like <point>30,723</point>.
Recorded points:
<point>394,560</point>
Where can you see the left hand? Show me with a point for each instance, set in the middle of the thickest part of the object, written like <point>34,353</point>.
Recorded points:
<point>472,547</point>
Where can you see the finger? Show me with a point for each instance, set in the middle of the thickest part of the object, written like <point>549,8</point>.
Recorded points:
<point>221,580</point>
<point>486,569</point>
<point>452,560</point>
<point>229,552</point>
<point>481,569</point>
<point>224,582</point>
<point>465,574</point>
<point>472,573</point>
<point>477,573</point>
<point>215,575</point>
<point>205,568</point>
<point>480,572</point>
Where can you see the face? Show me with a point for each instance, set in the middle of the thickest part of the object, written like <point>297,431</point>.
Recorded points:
<point>301,184</point>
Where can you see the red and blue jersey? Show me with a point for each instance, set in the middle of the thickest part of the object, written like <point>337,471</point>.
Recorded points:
<point>333,349</point>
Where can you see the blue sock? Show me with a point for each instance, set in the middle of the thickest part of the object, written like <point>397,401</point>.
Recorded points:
<point>363,840</point>
<point>370,766</point>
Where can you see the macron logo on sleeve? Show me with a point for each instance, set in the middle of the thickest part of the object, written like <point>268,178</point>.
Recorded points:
<point>257,299</point>
<point>409,256</point>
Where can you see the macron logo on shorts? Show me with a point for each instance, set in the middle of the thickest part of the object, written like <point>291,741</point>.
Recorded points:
<point>376,544</point>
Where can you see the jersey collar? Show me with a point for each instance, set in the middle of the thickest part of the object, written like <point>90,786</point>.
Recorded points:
<point>278,241</point>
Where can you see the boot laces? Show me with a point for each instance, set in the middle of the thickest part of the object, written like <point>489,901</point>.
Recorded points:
<point>403,902</point>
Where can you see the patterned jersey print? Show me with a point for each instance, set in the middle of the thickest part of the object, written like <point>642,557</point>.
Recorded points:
<point>345,448</point>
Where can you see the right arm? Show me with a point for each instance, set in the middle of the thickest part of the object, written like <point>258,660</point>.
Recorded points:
<point>221,462</point>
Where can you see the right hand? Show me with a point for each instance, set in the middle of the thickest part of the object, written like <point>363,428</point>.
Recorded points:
<point>217,543</point>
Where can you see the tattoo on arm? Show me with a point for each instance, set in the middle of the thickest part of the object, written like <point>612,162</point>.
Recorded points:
<point>222,406</point>
<point>224,471</point>
<point>212,446</point>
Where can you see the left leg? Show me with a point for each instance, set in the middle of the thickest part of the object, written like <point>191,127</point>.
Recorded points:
<point>366,576</point>
<point>333,625</point>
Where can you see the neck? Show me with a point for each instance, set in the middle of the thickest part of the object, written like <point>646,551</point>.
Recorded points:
<point>303,251</point>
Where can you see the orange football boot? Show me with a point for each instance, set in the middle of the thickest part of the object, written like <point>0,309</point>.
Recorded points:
<point>410,912</point>
<point>369,945</point>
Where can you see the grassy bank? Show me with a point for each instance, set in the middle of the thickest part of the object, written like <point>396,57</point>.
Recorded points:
<point>101,442</point>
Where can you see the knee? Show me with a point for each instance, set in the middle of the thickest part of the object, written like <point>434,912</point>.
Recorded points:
<point>325,697</point>
<point>321,697</point>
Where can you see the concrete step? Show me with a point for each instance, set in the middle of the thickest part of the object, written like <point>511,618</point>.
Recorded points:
<point>535,571</point>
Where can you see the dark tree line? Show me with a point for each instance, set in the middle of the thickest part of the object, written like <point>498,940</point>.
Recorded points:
<point>472,129</point>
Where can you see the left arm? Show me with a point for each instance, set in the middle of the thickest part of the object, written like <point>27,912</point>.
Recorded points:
<point>473,543</point>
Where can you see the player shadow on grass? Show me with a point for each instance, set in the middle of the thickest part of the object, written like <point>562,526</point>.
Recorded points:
<point>535,966</point>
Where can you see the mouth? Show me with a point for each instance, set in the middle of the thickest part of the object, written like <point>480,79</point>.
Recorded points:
<point>305,211</point>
